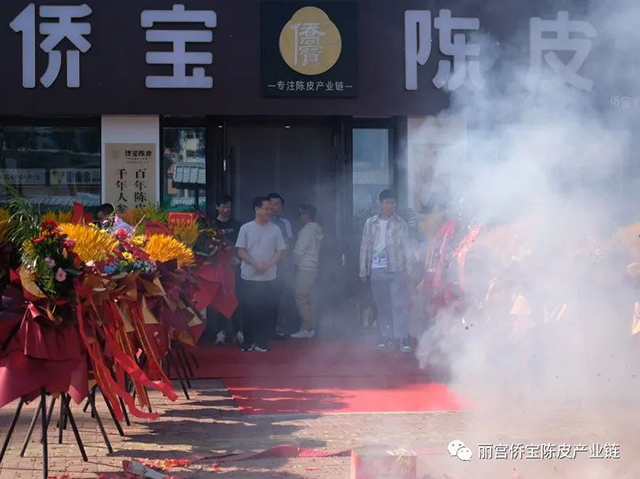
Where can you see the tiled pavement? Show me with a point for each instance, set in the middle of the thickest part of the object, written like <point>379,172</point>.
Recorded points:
<point>209,424</point>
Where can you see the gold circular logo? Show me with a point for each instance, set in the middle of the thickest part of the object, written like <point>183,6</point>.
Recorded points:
<point>310,43</point>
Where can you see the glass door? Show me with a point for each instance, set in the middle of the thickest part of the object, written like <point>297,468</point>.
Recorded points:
<point>372,171</point>
<point>369,168</point>
<point>291,158</point>
<point>184,168</point>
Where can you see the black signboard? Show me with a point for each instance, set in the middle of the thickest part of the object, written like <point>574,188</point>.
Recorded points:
<point>309,49</point>
<point>115,75</point>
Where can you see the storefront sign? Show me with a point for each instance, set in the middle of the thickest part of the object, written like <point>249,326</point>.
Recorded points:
<point>180,57</point>
<point>462,64</point>
<point>309,50</point>
<point>130,170</point>
<point>23,176</point>
<point>62,24</point>
<point>197,58</point>
<point>74,176</point>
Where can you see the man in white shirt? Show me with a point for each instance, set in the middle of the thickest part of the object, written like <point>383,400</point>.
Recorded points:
<point>306,257</point>
<point>260,246</point>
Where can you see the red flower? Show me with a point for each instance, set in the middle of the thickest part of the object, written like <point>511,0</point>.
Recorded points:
<point>38,240</point>
<point>121,234</point>
<point>49,226</point>
<point>68,243</point>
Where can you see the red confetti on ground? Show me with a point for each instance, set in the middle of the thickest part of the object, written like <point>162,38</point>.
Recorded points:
<point>166,464</point>
<point>101,476</point>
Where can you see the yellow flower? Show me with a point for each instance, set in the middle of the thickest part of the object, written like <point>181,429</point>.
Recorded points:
<point>133,216</point>
<point>138,240</point>
<point>186,231</point>
<point>29,249</point>
<point>57,216</point>
<point>165,248</point>
<point>137,216</point>
<point>128,256</point>
<point>91,244</point>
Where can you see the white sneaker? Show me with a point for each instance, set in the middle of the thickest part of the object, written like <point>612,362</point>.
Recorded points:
<point>240,337</point>
<point>304,334</point>
<point>220,337</point>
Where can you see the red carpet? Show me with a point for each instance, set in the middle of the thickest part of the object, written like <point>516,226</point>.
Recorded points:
<point>324,376</point>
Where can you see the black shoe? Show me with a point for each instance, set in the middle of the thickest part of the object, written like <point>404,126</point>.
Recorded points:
<point>280,335</point>
<point>246,347</point>
<point>405,346</point>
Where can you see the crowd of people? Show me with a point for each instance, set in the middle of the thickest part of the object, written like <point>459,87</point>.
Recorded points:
<point>441,277</point>
<point>276,272</point>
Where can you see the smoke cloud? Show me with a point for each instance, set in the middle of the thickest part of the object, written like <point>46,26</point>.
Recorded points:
<point>551,176</point>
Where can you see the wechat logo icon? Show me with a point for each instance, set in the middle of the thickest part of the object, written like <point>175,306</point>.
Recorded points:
<point>458,449</point>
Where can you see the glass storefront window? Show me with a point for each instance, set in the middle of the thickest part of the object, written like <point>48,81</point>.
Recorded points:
<point>184,169</point>
<point>371,170</point>
<point>51,166</point>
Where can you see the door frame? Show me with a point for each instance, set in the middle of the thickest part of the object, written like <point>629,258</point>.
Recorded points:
<point>220,159</point>
<point>397,158</point>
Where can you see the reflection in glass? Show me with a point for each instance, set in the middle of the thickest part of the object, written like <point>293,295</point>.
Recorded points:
<point>51,166</point>
<point>371,170</point>
<point>184,168</point>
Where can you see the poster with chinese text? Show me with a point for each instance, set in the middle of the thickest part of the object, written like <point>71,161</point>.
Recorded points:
<point>130,174</point>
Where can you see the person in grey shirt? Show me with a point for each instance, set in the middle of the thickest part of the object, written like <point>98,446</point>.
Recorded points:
<point>260,246</point>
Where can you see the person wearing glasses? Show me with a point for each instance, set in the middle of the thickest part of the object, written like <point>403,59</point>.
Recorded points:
<point>306,258</point>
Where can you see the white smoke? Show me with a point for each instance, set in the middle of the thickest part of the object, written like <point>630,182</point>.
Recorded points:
<point>559,162</point>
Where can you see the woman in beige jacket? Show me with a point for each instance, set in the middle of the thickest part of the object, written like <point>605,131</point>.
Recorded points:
<point>306,257</point>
